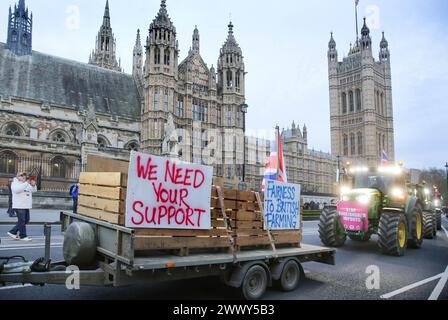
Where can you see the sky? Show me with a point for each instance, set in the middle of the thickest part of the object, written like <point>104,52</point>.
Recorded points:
<point>285,47</point>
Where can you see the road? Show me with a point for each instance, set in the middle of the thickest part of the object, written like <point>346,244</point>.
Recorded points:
<point>346,280</point>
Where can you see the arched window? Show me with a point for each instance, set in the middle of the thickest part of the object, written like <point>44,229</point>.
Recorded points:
<point>157,56</point>
<point>229,79</point>
<point>352,144</point>
<point>13,130</point>
<point>352,101</point>
<point>166,59</point>
<point>102,142</point>
<point>58,167</point>
<point>237,79</point>
<point>132,146</point>
<point>59,137</point>
<point>345,142</point>
<point>8,162</point>
<point>358,100</point>
<point>344,103</point>
<point>360,144</point>
<point>382,104</point>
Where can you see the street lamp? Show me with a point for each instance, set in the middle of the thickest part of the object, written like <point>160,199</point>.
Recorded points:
<point>244,108</point>
<point>446,167</point>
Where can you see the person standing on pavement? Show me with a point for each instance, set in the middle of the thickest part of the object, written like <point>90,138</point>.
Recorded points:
<point>74,192</point>
<point>11,212</point>
<point>22,202</point>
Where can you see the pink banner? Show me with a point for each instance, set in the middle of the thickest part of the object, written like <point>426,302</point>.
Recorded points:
<point>354,216</point>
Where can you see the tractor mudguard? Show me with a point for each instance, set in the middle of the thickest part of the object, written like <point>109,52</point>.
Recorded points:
<point>410,206</point>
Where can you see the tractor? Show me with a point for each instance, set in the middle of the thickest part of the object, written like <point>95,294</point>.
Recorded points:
<point>432,211</point>
<point>375,201</point>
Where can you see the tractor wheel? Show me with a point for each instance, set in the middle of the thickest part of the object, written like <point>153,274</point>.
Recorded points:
<point>330,231</point>
<point>392,234</point>
<point>416,229</point>
<point>363,238</point>
<point>439,219</point>
<point>429,225</point>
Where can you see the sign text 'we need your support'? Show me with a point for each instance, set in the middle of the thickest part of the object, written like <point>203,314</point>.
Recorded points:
<point>168,194</point>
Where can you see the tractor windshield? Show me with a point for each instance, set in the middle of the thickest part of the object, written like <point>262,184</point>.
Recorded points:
<point>380,182</point>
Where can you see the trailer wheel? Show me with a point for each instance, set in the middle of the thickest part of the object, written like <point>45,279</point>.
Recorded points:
<point>439,219</point>
<point>429,225</point>
<point>290,277</point>
<point>255,283</point>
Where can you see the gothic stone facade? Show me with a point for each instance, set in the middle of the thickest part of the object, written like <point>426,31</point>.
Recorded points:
<point>206,104</point>
<point>361,102</point>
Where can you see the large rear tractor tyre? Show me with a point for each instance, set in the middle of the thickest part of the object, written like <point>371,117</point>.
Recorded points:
<point>429,225</point>
<point>363,238</point>
<point>330,230</point>
<point>416,229</point>
<point>392,233</point>
<point>439,219</point>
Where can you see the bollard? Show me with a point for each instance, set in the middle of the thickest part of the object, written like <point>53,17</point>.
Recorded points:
<point>47,235</point>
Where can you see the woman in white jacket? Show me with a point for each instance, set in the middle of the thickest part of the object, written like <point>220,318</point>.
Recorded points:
<point>22,202</point>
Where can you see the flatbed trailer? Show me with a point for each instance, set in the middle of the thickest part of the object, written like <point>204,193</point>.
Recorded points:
<point>117,265</point>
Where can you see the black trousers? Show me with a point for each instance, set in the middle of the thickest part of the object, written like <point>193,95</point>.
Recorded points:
<point>75,205</point>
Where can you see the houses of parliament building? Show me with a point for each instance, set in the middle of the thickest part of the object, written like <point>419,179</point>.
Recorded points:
<point>54,111</point>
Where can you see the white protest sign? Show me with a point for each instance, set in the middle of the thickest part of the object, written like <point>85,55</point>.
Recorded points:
<point>168,194</point>
<point>282,206</point>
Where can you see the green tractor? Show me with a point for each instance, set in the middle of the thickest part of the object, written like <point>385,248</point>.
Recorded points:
<point>432,211</point>
<point>375,201</point>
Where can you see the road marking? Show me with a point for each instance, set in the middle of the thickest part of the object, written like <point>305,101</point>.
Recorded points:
<point>16,287</point>
<point>438,289</point>
<point>410,287</point>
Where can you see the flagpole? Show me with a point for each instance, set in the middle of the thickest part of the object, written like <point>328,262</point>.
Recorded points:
<point>356,18</point>
<point>277,128</point>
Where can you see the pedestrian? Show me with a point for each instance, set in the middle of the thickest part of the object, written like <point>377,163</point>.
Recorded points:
<point>74,192</point>
<point>10,211</point>
<point>22,201</point>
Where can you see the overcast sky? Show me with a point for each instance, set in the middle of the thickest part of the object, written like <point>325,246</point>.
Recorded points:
<point>285,48</point>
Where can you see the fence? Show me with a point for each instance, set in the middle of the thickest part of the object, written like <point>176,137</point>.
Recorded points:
<point>54,174</point>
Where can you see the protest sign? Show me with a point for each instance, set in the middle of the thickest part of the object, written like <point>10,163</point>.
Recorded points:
<point>282,206</point>
<point>168,194</point>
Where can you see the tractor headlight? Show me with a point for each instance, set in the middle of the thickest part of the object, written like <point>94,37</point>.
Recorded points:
<point>363,199</point>
<point>345,198</point>
<point>345,190</point>
<point>398,193</point>
<point>436,203</point>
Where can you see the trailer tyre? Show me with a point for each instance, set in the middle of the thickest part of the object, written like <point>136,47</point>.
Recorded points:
<point>79,245</point>
<point>329,229</point>
<point>290,277</point>
<point>429,225</point>
<point>255,283</point>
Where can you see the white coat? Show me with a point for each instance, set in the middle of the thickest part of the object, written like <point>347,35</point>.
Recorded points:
<point>22,194</point>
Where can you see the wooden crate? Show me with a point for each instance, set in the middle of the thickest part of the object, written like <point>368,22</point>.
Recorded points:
<point>102,196</point>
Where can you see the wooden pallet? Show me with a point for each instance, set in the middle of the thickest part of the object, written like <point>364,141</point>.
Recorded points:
<point>102,196</point>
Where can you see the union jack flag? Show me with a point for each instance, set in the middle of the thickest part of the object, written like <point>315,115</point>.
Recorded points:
<point>384,158</point>
<point>276,161</point>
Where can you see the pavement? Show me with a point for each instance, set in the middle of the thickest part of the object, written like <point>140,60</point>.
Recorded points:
<point>420,275</point>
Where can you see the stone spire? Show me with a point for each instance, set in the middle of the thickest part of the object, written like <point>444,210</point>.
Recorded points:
<point>104,54</point>
<point>231,46</point>
<point>384,49</point>
<point>137,66</point>
<point>20,30</point>
<point>196,42</point>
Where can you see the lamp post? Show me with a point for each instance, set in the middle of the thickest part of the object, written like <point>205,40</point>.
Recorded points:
<point>244,108</point>
<point>446,167</point>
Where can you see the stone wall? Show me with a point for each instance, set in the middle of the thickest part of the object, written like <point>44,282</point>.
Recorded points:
<point>43,200</point>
